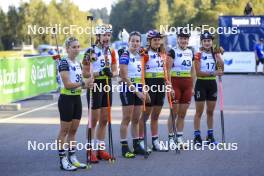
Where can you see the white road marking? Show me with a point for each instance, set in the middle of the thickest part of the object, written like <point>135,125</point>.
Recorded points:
<point>56,121</point>
<point>115,110</point>
<point>27,112</point>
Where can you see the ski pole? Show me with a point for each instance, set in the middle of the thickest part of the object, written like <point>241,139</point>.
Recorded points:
<point>109,118</point>
<point>221,107</point>
<point>89,155</point>
<point>221,102</point>
<point>173,118</point>
<point>56,57</point>
<point>144,107</point>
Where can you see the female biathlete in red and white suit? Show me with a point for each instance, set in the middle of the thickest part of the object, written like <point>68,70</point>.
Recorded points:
<point>182,78</point>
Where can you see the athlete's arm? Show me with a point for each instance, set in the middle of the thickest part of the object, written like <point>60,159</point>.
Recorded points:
<point>199,73</point>
<point>219,61</point>
<point>86,70</point>
<point>169,65</point>
<point>114,70</point>
<point>124,74</point>
<point>193,74</point>
<point>114,63</point>
<point>170,57</point>
<point>66,81</point>
<point>64,73</point>
<point>123,65</point>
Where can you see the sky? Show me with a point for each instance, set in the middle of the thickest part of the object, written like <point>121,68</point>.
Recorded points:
<point>84,5</point>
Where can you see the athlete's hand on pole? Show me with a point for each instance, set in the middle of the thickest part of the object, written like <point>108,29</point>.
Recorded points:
<point>106,72</point>
<point>90,55</point>
<point>89,83</point>
<point>192,91</point>
<point>218,72</point>
<point>148,100</point>
<point>172,94</point>
<point>140,95</point>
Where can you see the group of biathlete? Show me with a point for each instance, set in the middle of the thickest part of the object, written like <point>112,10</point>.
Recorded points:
<point>185,72</point>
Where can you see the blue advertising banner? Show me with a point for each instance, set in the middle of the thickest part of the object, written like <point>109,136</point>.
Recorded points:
<point>249,31</point>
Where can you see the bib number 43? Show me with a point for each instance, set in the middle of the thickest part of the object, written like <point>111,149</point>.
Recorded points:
<point>186,63</point>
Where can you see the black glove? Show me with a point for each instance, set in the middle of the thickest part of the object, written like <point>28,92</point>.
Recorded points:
<point>120,52</point>
<point>106,72</point>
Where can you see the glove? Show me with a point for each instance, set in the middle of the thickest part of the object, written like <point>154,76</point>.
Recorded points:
<point>89,55</point>
<point>142,51</point>
<point>56,57</point>
<point>218,49</point>
<point>121,51</point>
<point>106,72</point>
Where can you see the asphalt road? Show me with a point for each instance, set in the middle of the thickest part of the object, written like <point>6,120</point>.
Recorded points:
<point>244,118</point>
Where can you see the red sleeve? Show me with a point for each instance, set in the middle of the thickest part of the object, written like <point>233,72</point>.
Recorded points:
<point>146,58</point>
<point>197,56</point>
<point>113,56</point>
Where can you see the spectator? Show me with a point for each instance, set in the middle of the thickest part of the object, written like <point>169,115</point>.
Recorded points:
<point>248,11</point>
<point>259,53</point>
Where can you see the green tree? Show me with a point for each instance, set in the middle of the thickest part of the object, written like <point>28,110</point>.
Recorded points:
<point>10,37</point>
<point>2,24</point>
<point>162,16</point>
<point>133,15</point>
<point>100,14</point>
<point>183,11</point>
<point>35,14</point>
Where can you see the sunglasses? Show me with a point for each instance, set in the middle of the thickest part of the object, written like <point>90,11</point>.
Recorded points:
<point>70,40</point>
<point>134,33</point>
<point>74,47</point>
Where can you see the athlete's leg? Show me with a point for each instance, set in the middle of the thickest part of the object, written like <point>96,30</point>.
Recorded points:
<point>64,131</point>
<point>169,121</point>
<point>154,120</point>
<point>144,115</point>
<point>210,120</point>
<point>127,112</point>
<point>210,112</point>
<point>181,116</point>
<point>101,128</point>
<point>135,121</point>
<point>199,108</point>
<point>72,133</point>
